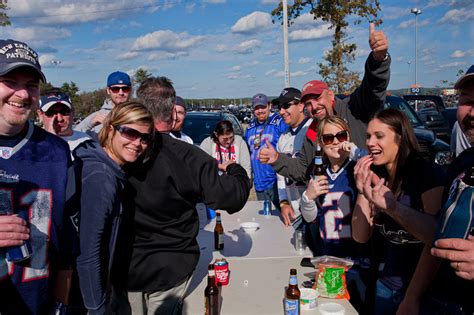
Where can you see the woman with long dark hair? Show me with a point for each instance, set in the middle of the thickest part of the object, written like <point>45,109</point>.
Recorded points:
<point>394,180</point>
<point>227,147</point>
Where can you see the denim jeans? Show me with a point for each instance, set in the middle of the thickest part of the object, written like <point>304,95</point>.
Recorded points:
<point>386,300</point>
<point>270,194</point>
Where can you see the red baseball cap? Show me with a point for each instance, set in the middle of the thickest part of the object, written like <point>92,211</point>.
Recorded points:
<point>314,87</point>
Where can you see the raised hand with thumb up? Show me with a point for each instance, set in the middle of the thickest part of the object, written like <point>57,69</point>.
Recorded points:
<point>378,43</point>
<point>268,154</point>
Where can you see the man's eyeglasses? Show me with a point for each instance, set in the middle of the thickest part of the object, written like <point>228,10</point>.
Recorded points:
<point>63,111</point>
<point>341,136</point>
<point>286,105</point>
<point>116,89</point>
<point>132,134</point>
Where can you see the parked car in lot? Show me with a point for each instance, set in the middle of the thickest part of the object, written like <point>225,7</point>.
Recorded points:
<point>431,147</point>
<point>200,125</point>
<point>431,110</point>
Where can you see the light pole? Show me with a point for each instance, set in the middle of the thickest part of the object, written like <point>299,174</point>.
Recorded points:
<point>285,42</point>
<point>416,12</point>
<point>56,63</point>
<point>409,63</point>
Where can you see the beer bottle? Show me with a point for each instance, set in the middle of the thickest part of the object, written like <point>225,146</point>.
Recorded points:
<point>318,168</point>
<point>211,293</point>
<point>292,295</point>
<point>218,233</point>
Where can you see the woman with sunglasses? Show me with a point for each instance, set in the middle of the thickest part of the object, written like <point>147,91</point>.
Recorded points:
<point>328,203</point>
<point>127,134</point>
<point>227,147</point>
<point>396,186</point>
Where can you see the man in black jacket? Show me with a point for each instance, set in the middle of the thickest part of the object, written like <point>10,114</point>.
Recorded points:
<point>163,194</point>
<point>356,109</point>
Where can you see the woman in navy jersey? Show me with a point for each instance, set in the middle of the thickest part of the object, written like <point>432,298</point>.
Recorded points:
<point>127,134</point>
<point>329,201</point>
<point>392,181</point>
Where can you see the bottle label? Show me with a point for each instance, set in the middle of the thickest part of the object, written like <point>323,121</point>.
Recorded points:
<point>220,239</point>
<point>318,160</point>
<point>293,280</point>
<point>292,306</point>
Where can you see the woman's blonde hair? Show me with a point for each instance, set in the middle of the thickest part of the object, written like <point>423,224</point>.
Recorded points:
<point>122,114</point>
<point>333,120</point>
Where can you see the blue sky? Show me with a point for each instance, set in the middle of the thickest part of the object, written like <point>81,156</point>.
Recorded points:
<point>229,48</point>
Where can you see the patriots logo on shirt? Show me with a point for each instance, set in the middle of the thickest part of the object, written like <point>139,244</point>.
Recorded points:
<point>5,152</point>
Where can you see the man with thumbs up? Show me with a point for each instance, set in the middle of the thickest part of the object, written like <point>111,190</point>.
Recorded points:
<point>356,109</point>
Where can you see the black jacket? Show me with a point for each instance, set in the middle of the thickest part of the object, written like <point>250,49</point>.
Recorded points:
<point>356,110</point>
<point>163,194</point>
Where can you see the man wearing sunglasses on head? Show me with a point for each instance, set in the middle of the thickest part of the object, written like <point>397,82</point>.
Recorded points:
<point>57,116</point>
<point>119,90</point>
<point>290,143</point>
<point>264,127</point>
<point>356,109</point>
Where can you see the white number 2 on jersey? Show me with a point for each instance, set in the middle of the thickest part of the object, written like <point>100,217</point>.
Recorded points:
<point>337,205</point>
<point>39,202</point>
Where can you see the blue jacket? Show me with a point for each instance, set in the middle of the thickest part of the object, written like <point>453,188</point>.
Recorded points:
<point>101,208</point>
<point>263,174</point>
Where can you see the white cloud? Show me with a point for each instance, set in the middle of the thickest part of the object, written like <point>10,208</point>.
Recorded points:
<point>251,63</point>
<point>411,23</point>
<point>38,34</point>
<point>61,12</point>
<point>304,20</point>
<point>456,16</point>
<point>394,13</point>
<point>52,61</point>
<point>362,52</point>
<point>281,74</point>
<point>220,48</point>
<point>272,52</point>
<point>238,75</point>
<point>453,64</point>
<point>270,1</point>
<point>190,7</point>
<point>167,55</point>
<point>236,68</point>
<point>253,23</point>
<point>304,60</point>
<point>214,1</point>
<point>319,32</point>
<point>127,56</point>
<point>247,47</point>
<point>166,40</point>
<point>458,54</point>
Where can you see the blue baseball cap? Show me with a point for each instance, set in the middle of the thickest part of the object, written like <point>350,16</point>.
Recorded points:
<point>259,99</point>
<point>15,54</point>
<point>118,77</point>
<point>49,100</point>
<point>469,75</point>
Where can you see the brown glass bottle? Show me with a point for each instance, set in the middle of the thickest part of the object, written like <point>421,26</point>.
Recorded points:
<point>211,293</point>
<point>292,295</point>
<point>318,168</point>
<point>218,233</point>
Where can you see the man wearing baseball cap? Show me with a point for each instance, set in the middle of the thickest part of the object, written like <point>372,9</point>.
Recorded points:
<point>57,116</point>
<point>356,109</point>
<point>264,127</point>
<point>36,238</point>
<point>290,143</point>
<point>119,90</point>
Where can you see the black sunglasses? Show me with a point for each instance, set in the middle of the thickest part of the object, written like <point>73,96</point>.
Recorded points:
<point>286,105</point>
<point>341,136</point>
<point>132,134</point>
<point>116,89</point>
<point>63,111</point>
